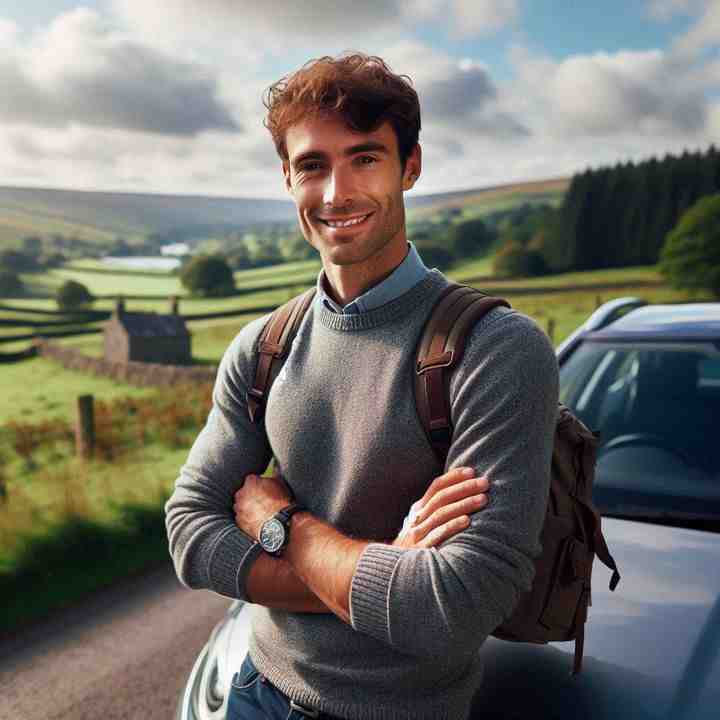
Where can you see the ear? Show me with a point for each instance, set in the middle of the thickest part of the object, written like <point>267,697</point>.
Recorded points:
<point>286,174</point>
<point>413,168</point>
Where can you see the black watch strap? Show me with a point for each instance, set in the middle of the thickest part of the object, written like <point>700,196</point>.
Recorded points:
<point>286,513</point>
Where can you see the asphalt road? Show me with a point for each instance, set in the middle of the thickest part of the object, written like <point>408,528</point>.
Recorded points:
<point>123,654</point>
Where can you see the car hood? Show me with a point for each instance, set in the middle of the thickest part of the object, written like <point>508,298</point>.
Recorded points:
<point>652,647</point>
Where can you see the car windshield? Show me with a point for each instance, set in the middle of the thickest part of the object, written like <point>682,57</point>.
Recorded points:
<point>656,407</point>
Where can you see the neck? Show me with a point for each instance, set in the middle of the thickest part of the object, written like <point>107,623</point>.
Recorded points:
<point>347,282</point>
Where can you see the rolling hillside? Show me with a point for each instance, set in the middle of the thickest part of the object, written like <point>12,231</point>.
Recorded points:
<point>101,217</point>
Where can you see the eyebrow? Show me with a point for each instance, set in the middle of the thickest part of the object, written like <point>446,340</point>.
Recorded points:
<point>369,146</point>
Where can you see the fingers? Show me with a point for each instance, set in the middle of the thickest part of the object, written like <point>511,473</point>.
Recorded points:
<point>443,524</point>
<point>446,513</point>
<point>443,532</point>
<point>449,478</point>
<point>450,494</point>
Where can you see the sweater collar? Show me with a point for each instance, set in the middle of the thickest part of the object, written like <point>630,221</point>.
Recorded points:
<point>432,283</point>
<point>406,275</point>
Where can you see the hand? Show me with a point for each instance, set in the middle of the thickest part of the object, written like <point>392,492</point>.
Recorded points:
<point>259,499</point>
<point>444,510</point>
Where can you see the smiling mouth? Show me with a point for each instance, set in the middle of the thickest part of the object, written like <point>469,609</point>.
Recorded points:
<point>351,222</point>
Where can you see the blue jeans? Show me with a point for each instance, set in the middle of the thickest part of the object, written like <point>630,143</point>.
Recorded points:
<point>254,697</point>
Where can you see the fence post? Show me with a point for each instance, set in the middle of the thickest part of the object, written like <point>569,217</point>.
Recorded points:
<point>85,427</point>
<point>551,329</point>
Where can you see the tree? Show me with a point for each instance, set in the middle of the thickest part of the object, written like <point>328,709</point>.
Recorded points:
<point>690,257</point>
<point>514,260</point>
<point>10,284</point>
<point>72,295</point>
<point>471,238</point>
<point>32,245</point>
<point>17,261</point>
<point>294,246</point>
<point>208,275</point>
<point>436,256</point>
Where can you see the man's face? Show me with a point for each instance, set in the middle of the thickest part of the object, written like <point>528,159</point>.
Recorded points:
<point>336,176</point>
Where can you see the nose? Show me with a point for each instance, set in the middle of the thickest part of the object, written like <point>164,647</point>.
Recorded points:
<point>338,190</point>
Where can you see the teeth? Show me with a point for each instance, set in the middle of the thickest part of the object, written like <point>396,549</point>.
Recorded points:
<point>347,223</point>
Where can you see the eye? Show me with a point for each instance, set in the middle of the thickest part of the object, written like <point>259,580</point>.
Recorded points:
<point>367,159</point>
<point>310,166</point>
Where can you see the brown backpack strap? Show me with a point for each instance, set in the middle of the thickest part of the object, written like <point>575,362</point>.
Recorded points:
<point>599,545</point>
<point>441,348</point>
<point>274,339</point>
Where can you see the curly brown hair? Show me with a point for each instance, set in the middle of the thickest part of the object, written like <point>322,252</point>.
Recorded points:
<point>359,88</point>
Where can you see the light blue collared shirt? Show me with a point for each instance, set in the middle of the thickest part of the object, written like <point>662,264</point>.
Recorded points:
<point>406,275</point>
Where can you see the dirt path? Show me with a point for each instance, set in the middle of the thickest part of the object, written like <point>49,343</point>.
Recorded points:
<point>124,653</point>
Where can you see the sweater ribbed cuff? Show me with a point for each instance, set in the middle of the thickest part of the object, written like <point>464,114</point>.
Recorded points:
<point>370,591</point>
<point>230,563</point>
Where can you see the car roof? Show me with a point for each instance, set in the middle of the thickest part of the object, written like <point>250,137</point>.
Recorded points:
<point>696,321</point>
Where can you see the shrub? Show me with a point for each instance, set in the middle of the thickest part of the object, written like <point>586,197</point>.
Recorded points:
<point>18,261</point>
<point>471,238</point>
<point>209,276</point>
<point>690,257</point>
<point>10,284</point>
<point>514,260</point>
<point>72,294</point>
<point>436,256</point>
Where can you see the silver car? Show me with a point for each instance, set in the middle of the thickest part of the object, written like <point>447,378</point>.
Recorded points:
<point>647,378</point>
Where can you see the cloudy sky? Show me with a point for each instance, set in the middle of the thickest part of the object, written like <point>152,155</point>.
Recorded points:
<point>166,95</point>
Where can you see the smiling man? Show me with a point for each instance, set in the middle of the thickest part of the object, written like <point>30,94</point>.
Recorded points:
<point>354,619</point>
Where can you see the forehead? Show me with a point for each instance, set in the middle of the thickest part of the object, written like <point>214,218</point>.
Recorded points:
<point>331,135</point>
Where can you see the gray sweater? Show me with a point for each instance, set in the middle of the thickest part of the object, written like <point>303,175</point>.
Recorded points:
<point>342,425</point>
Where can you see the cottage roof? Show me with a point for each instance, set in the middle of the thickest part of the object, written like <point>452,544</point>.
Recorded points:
<point>151,324</point>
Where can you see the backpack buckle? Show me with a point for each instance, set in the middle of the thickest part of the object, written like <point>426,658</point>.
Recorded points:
<point>270,348</point>
<point>436,361</point>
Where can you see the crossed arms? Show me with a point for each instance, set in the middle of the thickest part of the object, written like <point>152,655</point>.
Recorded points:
<point>504,404</point>
<point>319,551</point>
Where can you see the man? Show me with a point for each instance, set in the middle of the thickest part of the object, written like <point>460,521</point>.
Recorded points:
<point>350,620</point>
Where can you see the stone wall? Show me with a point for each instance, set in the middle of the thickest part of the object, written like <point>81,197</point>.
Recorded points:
<point>133,373</point>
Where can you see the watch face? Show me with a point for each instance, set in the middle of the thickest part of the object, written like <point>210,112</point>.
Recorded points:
<point>272,535</point>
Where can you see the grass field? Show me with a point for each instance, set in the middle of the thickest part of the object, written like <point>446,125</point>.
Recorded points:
<point>39,388</point>
<point>43,286</point>
<point>210,337</point>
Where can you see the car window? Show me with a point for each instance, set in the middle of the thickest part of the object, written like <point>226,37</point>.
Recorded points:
<point>656,408</point>
<point>709,372</point>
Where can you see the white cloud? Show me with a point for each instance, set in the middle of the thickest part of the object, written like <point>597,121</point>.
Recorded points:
<point>254,30</point>
<point>93,106</point>
<point>8,33</point>
<point>454,95</point>
<point>622,94</point>
<point>704,33</point>
<point>484,17</point>
<point>664,10</point>
<point>78,71</point>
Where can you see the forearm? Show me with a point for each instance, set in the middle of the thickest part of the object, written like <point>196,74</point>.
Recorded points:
<point>324,560</point>
<point>272,582</point>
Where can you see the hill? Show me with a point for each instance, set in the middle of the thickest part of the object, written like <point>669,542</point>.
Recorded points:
<point>101,217</point>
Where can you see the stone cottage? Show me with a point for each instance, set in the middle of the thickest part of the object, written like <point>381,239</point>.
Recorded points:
<point>147,337</point>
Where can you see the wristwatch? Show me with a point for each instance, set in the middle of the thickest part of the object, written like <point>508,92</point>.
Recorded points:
<point>275,532</point>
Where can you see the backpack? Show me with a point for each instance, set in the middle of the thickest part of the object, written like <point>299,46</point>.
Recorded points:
<point>556,606</point>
